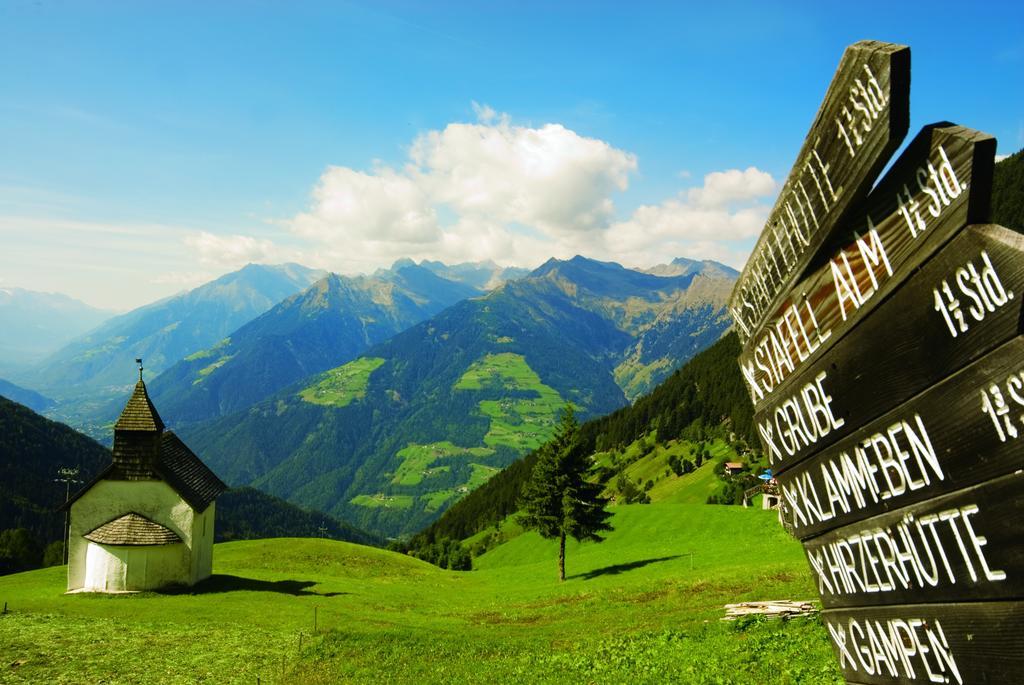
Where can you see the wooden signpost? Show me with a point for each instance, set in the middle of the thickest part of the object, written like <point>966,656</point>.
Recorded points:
<point>884,355</point>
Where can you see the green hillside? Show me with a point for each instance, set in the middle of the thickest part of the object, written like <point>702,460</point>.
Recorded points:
<point>641,607</point>
<point>704,402</point>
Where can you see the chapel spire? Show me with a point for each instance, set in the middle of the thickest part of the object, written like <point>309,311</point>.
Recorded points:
<point>139,414</point>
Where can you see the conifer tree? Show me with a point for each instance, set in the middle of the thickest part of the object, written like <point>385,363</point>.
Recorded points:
<point>558,500</point>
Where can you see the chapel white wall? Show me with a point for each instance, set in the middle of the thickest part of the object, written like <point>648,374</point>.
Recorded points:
<point>157,501</point>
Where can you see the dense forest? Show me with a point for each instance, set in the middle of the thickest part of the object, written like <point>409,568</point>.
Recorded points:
<point>32,449</point>
<point>1008,192</point>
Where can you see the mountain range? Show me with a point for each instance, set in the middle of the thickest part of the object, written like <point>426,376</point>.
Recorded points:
<point>324,326</point>
<point>87,376</point>
<point>34,325</point>
<point>165,331</point>
<point>392,438</point>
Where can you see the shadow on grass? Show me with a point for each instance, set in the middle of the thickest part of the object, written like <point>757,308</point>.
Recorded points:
<point>227,583</point>
<point>616,569</point>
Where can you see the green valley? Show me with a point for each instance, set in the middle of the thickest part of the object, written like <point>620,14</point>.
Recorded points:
<point>439,473</point>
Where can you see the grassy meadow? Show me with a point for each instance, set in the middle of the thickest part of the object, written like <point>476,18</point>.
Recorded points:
<point>644,606</point>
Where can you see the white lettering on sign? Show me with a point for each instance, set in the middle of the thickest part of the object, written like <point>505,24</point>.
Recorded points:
<point>801,420</point>
<point>868,100</point>
<point>857,273</point>
<point>994,403</point>
<point>982,287</point>
<point>796,332</point>
<point>872,253</point>
<point>896,648</point>
<point>911,555</point>
<point>884,465</point>
<point>940,184</point>
<point>796,216</point>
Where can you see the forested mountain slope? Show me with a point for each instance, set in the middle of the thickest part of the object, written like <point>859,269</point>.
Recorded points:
<point>1008,192</point>
<point>326,325</point>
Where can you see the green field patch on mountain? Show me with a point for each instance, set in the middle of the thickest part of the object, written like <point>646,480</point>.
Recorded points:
<point>435,500</point>
<point>208,352</point>
<point>420,461</point>
<point>342,385</point>
<point>207,370</point>
<point>480,474</point>
<point>504,370</point>
<point>522,423</point>
<point>383,501</point>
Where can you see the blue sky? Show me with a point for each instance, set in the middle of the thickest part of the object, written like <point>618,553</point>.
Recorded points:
<point>163,144</point>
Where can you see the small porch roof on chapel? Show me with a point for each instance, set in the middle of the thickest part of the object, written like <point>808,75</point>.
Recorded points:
<point>132,529</point>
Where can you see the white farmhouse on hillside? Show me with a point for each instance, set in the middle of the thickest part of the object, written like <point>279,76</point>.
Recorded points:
<point>146,521</point>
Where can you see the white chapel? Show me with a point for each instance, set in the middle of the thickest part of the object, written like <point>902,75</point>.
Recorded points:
<point>146,521</point>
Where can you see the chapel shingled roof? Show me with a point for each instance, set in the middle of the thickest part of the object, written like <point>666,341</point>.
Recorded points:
<point>186,473</point>
<point>139,414</point>
<point>132,529</point>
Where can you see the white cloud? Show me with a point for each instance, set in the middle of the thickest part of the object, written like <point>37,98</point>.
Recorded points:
<point>504,187</point>
<point>519,195</point>
<point>725,187</point>
<point>385,206</point>
<point>549,178</point>
<point>235,251</point>
<point>713,221</point>
<point>1000,158</point>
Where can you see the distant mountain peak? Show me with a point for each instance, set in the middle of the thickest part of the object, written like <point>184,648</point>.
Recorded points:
<point>682,266</point>
<point>403,263</point>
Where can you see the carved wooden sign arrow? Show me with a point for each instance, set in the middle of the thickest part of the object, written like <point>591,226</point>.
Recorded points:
<point>861,122</point>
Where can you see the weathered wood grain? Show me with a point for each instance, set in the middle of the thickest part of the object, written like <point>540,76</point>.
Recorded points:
<point>944,439</point>
<point>941,183</point>
<point>973,642</point>
<point>904,347</point>
<point>964,546</point>
<point>861,122</point>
